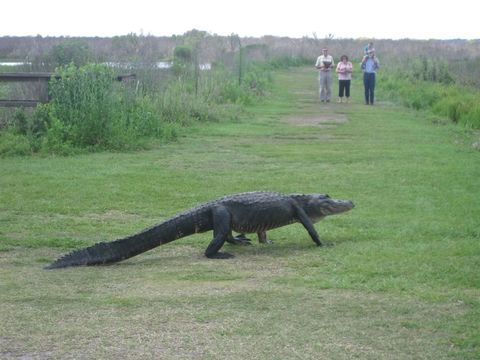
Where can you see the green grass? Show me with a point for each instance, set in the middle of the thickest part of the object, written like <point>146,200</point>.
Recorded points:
<point>401,282</point>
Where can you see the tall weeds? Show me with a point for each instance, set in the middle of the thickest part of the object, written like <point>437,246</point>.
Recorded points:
<point>84,106</point>
<point>89,111</point>
<point>427,85</point>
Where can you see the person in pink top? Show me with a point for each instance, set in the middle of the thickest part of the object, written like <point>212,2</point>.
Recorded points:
<point>344,71</point>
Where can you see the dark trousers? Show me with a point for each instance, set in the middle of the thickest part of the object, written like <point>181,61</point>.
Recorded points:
<point>344,88</point>
<point>369,84</point>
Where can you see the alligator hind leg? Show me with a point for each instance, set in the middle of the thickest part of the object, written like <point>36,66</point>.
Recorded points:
<point>240,239</point>
<point>262,238</point>
<point>221,232</point>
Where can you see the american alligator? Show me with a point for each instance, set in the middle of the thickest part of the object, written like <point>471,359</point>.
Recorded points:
<point>251,212</point>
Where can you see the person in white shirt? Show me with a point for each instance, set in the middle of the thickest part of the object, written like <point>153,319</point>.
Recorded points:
<point>325,64</point>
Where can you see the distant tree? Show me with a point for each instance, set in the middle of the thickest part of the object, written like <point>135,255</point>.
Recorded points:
<point>188,56</point>
<point>68,52</point>
<point>183,54</point>
<point>328,39</point>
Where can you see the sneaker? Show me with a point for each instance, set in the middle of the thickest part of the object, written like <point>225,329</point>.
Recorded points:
<point>339,100</point>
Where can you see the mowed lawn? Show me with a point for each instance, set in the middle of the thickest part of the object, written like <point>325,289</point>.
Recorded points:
<point>401,281</point>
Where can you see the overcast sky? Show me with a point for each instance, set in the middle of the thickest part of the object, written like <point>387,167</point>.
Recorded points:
<point>379,19</point>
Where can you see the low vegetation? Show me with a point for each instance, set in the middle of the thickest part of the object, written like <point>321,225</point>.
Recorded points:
<point>90,112</point>
<point>400,282</point>
<point>204,77</point>
<point>430,85</point>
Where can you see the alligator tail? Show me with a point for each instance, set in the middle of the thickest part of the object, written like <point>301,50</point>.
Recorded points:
<point>121,249</point>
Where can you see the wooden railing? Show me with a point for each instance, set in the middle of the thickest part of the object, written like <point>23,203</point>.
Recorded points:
<point>37,77</point>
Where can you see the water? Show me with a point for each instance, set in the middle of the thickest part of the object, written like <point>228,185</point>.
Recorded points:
<point>159,64</point>
<point>14,63</point>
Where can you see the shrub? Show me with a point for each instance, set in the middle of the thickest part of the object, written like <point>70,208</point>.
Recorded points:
<point>181,106</point>
<point>255,84</point>
<point>283,62</point>
<point>471,118</point>
<point>183,54</point>
<point>57,139</point>
<point>12,144</point>
<point>145,120</point>
<point>450,107</point>
<point>90,111</point>
<point>459,104</point>
<point>83,102</point>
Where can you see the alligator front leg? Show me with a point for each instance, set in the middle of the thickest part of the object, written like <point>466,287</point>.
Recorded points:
<point>221,232</point>
<point>307,223</point>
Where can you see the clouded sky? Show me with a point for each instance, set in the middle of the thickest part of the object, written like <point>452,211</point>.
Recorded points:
<point>380,19</point>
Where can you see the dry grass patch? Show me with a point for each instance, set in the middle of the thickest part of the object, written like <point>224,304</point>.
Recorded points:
<point>327,120</point>
<point>174,304</point>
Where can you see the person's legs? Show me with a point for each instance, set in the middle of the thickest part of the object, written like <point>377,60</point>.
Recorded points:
<point>369,83</point>
<point>322,86</point>
<point>341,89</point>
<point>372,88</point>
<point>328,86</point>
<point>367,87</point>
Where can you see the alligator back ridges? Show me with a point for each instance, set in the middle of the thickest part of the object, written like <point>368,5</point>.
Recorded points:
<point>121,249</point>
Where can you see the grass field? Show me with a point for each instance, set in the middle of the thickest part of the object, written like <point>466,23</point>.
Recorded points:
<point>401,282</point>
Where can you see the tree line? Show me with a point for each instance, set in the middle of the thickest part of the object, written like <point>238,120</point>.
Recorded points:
<point>149,48</point>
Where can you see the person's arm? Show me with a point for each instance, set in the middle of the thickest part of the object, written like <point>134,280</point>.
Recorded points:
<point>349,67</point>
<point>363,64</point>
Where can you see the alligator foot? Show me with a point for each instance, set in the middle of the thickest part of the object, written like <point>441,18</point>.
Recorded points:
<point>221,255</point>
<point>326,244</point>
<point>240,239</point>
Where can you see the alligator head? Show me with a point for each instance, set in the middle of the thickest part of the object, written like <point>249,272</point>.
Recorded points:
<point>317,206</point>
